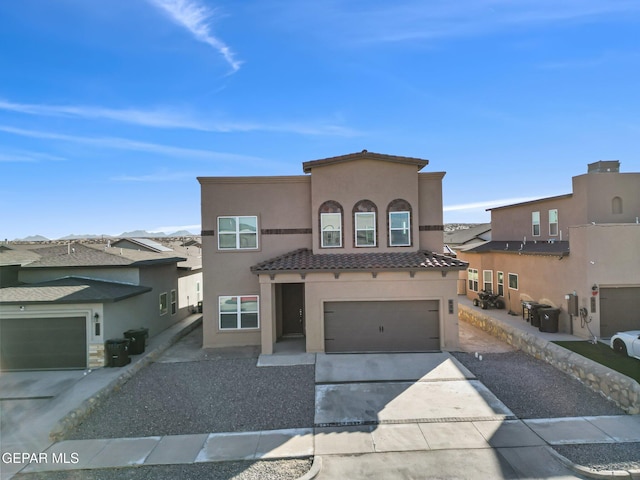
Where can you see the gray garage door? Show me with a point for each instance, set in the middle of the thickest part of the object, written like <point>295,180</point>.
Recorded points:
<point>391,326</point>
<point>43,343</point>
<point>619,310</point>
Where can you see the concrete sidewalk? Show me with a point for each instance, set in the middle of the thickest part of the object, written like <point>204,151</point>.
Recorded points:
<point>307,442</point>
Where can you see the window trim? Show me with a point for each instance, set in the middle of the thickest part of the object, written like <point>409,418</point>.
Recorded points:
<point>338,229</point>
<point>174,302</point>
<point>535,224</point>
<point>484,281</point>
<point>500,283</point>
<point>238,313</point>
<point>472,277</point>
<point>331,207</point>
<point>517,285</point>
<point>237,232</point>
<point>407,228</point>
<point>556,223</point>
<point>163,310</point>
<point>356,229</point>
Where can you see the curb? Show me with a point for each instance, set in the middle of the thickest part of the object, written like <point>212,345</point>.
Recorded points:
<point>592,473</point>
<point>78,414</point>
<point>314,471</point>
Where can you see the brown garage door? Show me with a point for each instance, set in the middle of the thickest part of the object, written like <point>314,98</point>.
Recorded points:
<point>43,343</point>
<point>619,310</point>
<point>382,326</point>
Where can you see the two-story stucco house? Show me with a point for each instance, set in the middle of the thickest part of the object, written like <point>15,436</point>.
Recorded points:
<point>344,255</point>
<point>578,252</point>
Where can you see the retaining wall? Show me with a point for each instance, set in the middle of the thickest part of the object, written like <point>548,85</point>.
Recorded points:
<point>622,390</point>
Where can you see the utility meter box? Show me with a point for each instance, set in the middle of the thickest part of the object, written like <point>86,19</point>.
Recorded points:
<point>572,305</point>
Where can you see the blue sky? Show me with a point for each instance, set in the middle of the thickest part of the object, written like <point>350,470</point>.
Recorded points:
<point>110,109</point>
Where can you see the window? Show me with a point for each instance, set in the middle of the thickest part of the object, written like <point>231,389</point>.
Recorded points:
<point>330,224</point>
<point>197,291</point>
<point>472,276</point>
<point>174,302</point>
<point>399,223</point>
<point>487,280</point>
<point>364,221</point>
<point>164,308</point>
<point>237,233</point>
<point>238,312</point>
<point>501,284</point>
<point>535,224</point>
<point>616,205</point>
<point>513,281</point>
<point>553,222</point>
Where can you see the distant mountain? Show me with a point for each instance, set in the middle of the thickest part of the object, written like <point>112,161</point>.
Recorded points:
<point>145,234</point>
<point>34,238</point>
<point>73,236</point>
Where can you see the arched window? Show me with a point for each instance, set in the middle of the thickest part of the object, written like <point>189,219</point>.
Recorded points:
<point>399,223</point>
<point>364,224</point>
<point>330,224</point>
<point>616,205</point>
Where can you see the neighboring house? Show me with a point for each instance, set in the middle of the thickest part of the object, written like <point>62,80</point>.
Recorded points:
<point>578,252</point>
<point>465,237</point>
<point>344,256</point>
<point>60,303</point>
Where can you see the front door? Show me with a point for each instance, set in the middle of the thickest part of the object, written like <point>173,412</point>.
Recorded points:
<point>292,309</point>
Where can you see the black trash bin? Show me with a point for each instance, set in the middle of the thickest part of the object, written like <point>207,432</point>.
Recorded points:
<point>535,313</point>
<point>138,340</point>
<point>117,352</point>
<point>549,319</point>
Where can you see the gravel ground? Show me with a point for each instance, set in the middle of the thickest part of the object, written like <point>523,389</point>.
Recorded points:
<point>262,470</point>
<point>532,388</point>
<point>221,395</point>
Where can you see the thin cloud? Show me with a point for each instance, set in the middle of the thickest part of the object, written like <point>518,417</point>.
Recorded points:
<point>195,18</point>
<point>166,118</point>
<point>29,157</point>
<point>486,204</point>
<point>133,145</point>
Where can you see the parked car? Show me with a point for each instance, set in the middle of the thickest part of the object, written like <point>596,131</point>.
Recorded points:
<point>627,343</point>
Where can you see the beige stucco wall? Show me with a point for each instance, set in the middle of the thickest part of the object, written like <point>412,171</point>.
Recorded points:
<point>348,183</point>
<point>324,287</point>
<point>279,203</point>
<point>606,255</point>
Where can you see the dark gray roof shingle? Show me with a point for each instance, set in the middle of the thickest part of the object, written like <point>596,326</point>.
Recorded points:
<point>304,260</point>
<point>70,290</point>
<point>518,246</point>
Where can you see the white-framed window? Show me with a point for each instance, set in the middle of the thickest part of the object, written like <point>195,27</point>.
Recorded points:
<point>238,312</point>
<point>164,305</point>
<point>174,302</point>
<point>331,225</point>
<point>553,222</point>
<point>501,284</point>
<point>487,280</point>
<point>472,276</point>
<point>365,225</point>
<point>198,292</point>
<point>238,233</point>
<point>399,229</point>
<point>535,224</point>
<point>513,281</point>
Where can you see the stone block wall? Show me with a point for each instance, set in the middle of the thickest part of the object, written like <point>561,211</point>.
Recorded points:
<point>622,390</point>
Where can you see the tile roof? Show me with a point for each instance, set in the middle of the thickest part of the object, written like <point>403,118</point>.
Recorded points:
<point>304,260</point>
<point>70,290</point>
<point>517,246</point>
<point>364,154</point>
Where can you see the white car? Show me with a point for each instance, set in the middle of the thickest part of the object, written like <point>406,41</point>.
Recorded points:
<point>627,343</point>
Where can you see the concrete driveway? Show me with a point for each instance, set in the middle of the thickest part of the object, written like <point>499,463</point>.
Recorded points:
<point>400,388</point>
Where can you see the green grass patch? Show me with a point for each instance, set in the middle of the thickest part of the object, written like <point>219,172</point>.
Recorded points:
<point>604,355</point>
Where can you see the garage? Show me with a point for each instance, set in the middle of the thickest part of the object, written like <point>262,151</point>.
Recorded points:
<point>43,343</point>
<point>619,310</point>
<point>382,326</point>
